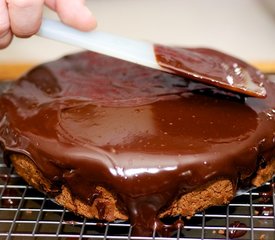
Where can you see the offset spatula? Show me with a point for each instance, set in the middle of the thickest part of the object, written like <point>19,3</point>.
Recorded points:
<point>200,64</point>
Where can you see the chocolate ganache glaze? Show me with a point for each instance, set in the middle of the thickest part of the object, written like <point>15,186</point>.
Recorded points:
<point>88,120</point>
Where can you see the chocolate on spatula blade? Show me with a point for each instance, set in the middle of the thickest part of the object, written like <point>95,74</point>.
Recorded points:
<point>212,67</point>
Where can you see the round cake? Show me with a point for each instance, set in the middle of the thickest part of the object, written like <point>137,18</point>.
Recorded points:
<point>112,140</point>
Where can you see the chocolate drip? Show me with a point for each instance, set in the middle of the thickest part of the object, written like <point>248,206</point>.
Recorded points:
<point>89,120</point>
<point>235,232</point>
<point>9,196</point>
<point>9,201</point>
<point>266,195</point>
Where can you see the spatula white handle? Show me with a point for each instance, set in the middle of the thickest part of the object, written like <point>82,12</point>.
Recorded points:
<point>140,52</point>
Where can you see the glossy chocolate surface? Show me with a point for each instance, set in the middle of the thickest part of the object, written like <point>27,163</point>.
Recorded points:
<point>212,67</point>
<point>88,120</point>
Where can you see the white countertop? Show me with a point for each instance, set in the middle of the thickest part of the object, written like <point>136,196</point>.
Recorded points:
<point>244,28</point>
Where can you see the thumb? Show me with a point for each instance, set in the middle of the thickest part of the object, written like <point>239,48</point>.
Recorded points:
<point>74,13</point>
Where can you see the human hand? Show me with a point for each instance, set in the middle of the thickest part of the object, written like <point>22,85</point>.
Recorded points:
<point>22,18</point>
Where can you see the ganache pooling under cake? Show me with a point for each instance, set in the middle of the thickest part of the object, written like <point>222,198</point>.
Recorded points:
<point>113,140</point>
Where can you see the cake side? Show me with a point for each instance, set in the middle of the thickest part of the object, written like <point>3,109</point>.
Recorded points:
<point>105,205</point>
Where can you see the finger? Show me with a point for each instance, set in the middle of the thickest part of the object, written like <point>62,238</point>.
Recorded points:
<point>5,33</point>
<point>5,39</point>
<point>75,14</point>
<point>51,4</point>
<point>25,16</point>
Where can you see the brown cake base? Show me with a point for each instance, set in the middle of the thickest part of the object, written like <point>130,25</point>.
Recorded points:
<point>105,206</point>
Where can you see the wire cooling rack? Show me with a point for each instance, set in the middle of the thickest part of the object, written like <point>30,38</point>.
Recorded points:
<point>27,214</point>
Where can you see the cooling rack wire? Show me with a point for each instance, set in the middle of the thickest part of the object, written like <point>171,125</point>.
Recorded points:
<point>27,214</point>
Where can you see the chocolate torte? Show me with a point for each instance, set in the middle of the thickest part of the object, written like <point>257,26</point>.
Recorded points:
<point>112,140</point>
